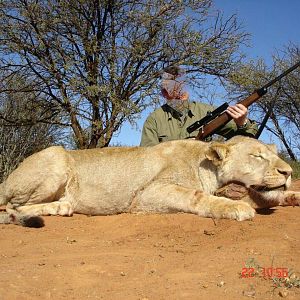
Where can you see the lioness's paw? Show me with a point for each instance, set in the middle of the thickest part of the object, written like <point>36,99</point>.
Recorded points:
<point>65,209</point>
<point>291,199</point>
<point>238,210</point>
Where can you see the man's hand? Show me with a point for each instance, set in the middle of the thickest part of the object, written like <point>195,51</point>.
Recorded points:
<point>239,114</point>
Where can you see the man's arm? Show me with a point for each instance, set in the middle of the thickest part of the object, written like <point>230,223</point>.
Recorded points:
<point>231,129</point>
<point>248,128</point>
<point>149,133</point>
<point>240,125</point>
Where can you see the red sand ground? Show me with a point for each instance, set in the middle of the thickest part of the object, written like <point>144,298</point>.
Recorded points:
<point>176,256</point>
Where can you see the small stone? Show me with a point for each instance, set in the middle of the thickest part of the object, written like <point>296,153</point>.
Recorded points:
<point>250,293</point>
<point>221,283</point>
<point>283,293</point>
<point>71,241</point>
<point>122,274</point>
<point>208,232</point>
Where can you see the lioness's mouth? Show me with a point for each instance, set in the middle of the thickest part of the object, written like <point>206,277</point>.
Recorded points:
<point>261,188</point>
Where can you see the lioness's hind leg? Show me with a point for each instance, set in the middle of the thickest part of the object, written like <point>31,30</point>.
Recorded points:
<point>62,208</point>
<point>40,178</point>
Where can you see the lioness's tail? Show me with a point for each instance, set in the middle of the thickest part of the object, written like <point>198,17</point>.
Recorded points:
<point>19,219</point>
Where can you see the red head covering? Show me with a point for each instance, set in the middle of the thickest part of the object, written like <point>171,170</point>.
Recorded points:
<point>173,83</point>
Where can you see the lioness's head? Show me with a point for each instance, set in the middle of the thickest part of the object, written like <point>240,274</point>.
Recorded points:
<point>246,160</point>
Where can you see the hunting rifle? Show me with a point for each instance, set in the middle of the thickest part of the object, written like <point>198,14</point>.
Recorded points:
<point>218,118</point>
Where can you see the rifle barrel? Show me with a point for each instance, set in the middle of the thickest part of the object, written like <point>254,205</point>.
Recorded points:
<point>289,70</point>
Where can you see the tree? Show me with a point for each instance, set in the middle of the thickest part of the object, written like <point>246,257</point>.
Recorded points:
<point>25,135</point>
<point>283,98</point>
<point>288,105</point>
<point>97,62</point>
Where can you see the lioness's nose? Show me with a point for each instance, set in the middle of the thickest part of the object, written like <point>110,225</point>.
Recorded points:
<point>286,173</point>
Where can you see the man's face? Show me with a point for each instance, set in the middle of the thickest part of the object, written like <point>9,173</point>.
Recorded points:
<point>175,94</point>
<point>180,95</point>
<point>173,87</point>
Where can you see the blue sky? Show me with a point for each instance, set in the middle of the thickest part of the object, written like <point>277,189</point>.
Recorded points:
<point>272,25</point>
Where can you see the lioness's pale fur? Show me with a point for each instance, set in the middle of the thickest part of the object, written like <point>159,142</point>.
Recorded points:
<point>177,176</point>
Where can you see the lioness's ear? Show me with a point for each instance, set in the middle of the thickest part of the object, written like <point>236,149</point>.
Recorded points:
<point>217,153</point>
<point>272,147</point>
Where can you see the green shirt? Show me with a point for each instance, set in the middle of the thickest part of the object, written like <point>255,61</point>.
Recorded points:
<point>166,124</point>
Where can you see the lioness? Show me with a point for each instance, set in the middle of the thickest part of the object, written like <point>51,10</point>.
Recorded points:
<point>176,176</point>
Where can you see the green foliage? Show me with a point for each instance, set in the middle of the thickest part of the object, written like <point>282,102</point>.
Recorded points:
<point>291,281</point>
<point>296,169</point>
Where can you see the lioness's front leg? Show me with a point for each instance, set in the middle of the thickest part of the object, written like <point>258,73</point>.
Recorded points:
<point>163,197</point>
<point>272,198</point>
<point>289,198</point>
